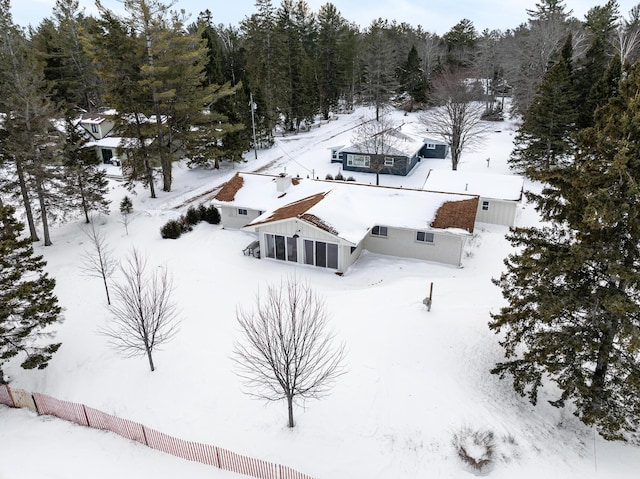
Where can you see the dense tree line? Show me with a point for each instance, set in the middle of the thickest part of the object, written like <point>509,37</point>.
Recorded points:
<point>182,88</point>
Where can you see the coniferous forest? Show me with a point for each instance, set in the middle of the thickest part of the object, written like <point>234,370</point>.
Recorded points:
<point>185,87</point>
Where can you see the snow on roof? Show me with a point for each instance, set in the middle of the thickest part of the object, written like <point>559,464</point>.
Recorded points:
<point>349,210</point>
<point>403,143</point>
<point>499,187</point>
<point>115,142</point>
<point>92,118</point>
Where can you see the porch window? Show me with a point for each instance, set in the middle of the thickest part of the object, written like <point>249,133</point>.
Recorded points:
<point>379,231</point>
<point>283,248</point>
<point>321,254</point>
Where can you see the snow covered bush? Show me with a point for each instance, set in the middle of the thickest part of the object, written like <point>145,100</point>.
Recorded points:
<point>329,176</point>
<point>172,229</point>
<point>193,216</point>
<point>210,214</point>
<point>475,448</point>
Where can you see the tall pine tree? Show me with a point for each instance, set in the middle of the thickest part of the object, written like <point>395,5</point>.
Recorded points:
<point>573,313</point>
<point>27,302</point>
<point>544,140</point>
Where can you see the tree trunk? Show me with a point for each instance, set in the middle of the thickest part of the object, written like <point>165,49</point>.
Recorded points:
<point>290,409</point>
<point>85,208</point>
<point>166,173</point>
<point>598,380</point>
<point>25,199</point>
<point>152,187</point>
<point>43,212</point>
<point>150,357</point>
<point>106,289</point>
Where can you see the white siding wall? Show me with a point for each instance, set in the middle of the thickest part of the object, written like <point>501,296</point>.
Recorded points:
<point>499,212</point>
<point>230,218</point>
<point>446,248</point>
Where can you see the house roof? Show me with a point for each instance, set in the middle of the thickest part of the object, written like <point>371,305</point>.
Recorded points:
<point>399,143</point>
<point>92,118</point>
<point>349,210</point>
<point>491,186</point>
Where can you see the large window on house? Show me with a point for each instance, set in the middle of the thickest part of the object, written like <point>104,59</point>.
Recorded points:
<point>485,206</point>
<point>424,237</point>
<point>361,161</point>
<point>283,248</point>
<point>319,253</point>
<point>379,231</point>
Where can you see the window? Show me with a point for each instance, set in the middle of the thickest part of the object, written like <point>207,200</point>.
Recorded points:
<point>424,237</point>
<point>353,249</point>
<point>388,161</point>
<point>379,231</point>
<point>242,211</point>
<point>292,249</point>
<point>362,161</point>
<point>485,206</point>
<point>321,254</point>
<point>431,146</point>
<point>94,128</point>
<point>281,247</point>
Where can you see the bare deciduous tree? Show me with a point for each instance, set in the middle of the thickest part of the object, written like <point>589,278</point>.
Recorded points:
<point>458,118</point>
<point>144,315</point>
<point>287,351</point>
<point>376,137</point>
<point>98,262</point>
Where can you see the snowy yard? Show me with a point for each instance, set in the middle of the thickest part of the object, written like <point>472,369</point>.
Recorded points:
<point>414,380</point>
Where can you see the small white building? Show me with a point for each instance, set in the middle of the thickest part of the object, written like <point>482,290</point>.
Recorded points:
<point>500,195</point>
<point>329,223</point>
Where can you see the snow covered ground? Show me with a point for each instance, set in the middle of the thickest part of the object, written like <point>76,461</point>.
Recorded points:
<point>415,378</point>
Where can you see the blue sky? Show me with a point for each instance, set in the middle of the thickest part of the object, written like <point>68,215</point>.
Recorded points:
<point>436,16</point>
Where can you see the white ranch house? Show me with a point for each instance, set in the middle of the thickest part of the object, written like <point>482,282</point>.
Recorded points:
<point>329,223</point>
<point>500,195</point>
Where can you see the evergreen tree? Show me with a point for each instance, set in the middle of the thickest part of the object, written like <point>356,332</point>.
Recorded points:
<point>573,313</point>
<point>544,139</point>
<point>461,42</point>
<point>263,73</point>
<point>412,79</point>
<point>26,296</point>
<point>379,67</point>
<point>30,140</point>
<point>118,53</point>
<point>600,23</point>
<point>86,184</point>
<point>67,66</point>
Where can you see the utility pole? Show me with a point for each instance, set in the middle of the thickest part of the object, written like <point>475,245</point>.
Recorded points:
<point>253,124</point>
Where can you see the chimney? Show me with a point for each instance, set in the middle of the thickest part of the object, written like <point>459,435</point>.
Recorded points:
<point>283,182</point>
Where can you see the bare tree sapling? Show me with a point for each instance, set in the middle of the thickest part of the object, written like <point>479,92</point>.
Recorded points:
<point>144,315</point>
<point>287,351</point>
<point>98,262</point>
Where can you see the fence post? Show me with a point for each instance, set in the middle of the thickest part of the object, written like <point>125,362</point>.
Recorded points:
<point>144,434</point>
<point>86,417</point>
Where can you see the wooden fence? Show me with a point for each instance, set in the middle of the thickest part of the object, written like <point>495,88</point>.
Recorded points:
<point>192,451</point>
